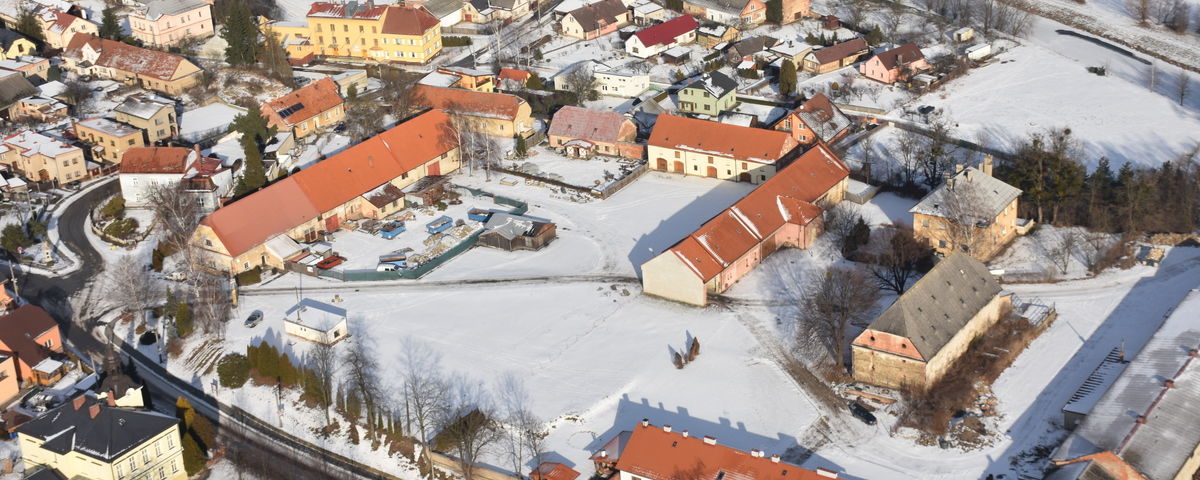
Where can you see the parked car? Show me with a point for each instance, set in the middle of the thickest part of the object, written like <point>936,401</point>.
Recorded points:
<point>254,318</point>
<point>862,413</point>
<point>330,262</point>
<point>391,266</point>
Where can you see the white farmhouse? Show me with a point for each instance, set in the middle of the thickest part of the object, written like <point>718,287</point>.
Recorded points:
<point>145,168</point>
<point>653,40</point>
<point>615,83</point>
<point>316,322</point>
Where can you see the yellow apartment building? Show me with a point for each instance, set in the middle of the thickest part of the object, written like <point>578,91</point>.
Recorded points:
<point>109,139</point>
<point>381,33</point>
<point>43,158</point>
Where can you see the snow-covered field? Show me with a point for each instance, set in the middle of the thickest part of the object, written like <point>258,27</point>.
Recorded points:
<point>1044,84</point>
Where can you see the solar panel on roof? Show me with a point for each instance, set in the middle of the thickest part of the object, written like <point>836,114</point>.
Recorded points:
<point>287,112</point>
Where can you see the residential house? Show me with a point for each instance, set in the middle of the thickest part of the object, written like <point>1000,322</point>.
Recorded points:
<point>648,13</point>
<point>818,118</point>
<point>711,35</point>
<point>448,12</point>
<point>710,149</point>
<point>792,51</point>
<point>43,158</point>
<point>145,168</point>
<point>916,340</point>
<point>828,59</point>
<point>471,78</point>
<point>352,79</point>
<point>88,438</point>
<point>109,138</point>
<point>13,45</point>
<point>316,321</point>
<point>620,83</point>
<point>153,115</point>
<point>710,94</point>
<point>651,452</point>
<point>515,232</point>
<point>29,66</point>
<point>580,133</point>
<point>31,338</point>
<point>651,41</point>
<point>1144,426</point>
<point>511,79</point>
<point>150,69</point>
<point>308,109</point>
<point>485,11</point>
<point>497,114</point>
<point>596,19</point>
<point>261,229</point>
<point>749,50</point>
<point>552,471</point>
<point>896,65</point>
<point>60,27</point>
<point>166,23</point>
<point>971,211</point>
<point>383,33</point>
<point>14,87</point>
<point>39,108</point>
<point>205,124</point>
<point>786,210</point>
<point>743,12</point>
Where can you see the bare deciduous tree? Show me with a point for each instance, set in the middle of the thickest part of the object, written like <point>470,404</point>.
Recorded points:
<point>580,83</point>
<point>1140,10</point>
<point>176,213</point>
<point>841,297</point>
<point>961,208</point>
<point>524,433</point>
<point>909,148</point>
<point>1183,85</point>
<point>425,391</point>
<point>1068,240</point>
<point>362,376</point>
<point>840,221</point>
<point>210,302</point>
<point>131,285</point>
<point>468,424</point>
<point>902,253</point>
<point>324,364</point>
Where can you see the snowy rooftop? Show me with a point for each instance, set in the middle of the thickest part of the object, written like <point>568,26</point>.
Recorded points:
<point>987,195</point>
<point>143,106</point>
<point>1097,383</point>
<point>1149,424</point>
<point>34,143</point>
<point>111,127</point>
<point>208,121</point>
<point>51,89</point>
<point>439,79</point>
<point>315,314</point>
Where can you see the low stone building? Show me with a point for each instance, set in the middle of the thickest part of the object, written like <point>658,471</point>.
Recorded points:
<point>916,340</point>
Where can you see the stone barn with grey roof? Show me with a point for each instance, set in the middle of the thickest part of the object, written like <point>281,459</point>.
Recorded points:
<point>916,340</point>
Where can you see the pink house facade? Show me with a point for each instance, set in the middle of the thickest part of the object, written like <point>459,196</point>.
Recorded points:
<point>165,23</point>
<point>896,65</point>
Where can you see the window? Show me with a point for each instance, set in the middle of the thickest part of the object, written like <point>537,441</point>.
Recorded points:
<point>145,456</point>
<point>157,447</point>
<point>360,29</point>
<point>346,28</point>
<point>174,467</point>
<point>676,154</point>
<point>50,343</point>
<point>162,474</point>
<point>695,167</point>
<point>66,163</point>
<point>207,243</point>
<point>131,141</point>
<point>120,471</point>
<point>132,464</point>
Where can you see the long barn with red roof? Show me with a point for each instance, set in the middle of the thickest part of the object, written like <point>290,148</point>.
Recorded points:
<point>364,181</point>
<point>785,211</point>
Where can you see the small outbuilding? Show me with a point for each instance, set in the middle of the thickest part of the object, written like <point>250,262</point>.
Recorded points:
<point>316,321</point>
<point>515,232</point>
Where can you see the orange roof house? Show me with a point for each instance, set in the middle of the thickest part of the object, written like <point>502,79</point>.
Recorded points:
<point>818,118</point>
<point>512,79</point>
<point>307,109</point>
<point>31,336</point>
<point>658,453</point>
<point>498,114</point>
<point>785,211</point>
<point>88,54</point>
<point>552,471</point>
<point>718,150</point>
<point>254,231</point>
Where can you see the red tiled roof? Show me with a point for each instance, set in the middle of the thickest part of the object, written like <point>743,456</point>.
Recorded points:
<point>338,10</point>
<point>513,74</point>
<point>899,56</point>
<point>839,51</point>
<point>299,198</point>
<point>582,123</point>
<point>742,143</point>
<point>483,104</point>
<point>552,471</point>
<point>122,56</point>
<point>657,454</point>
<point>309,100</point>
<point>19,331</point>
<point>408,21</point>
<point>665,33</point>
<point>155,160</point>
<point>62,20</point>
<point>788,197</point>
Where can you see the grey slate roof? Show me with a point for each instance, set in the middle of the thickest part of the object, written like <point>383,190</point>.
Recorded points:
<point>7,37</point>
<point>753,45</point>
<point>509,226</point>
<point>1159,447</point>
<point>442,8</point>
<point>112,433</point>
<point>940,304</point>
<point>733,7</point>
<point>158,8</point>
<point>589,16</point>
<point>716,83</point>
<point>13,87</point>
<point>988,194</point>
<point>44,473</point>
<point>142,107</point>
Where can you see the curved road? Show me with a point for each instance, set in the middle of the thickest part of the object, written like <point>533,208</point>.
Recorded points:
<point>256,446</point>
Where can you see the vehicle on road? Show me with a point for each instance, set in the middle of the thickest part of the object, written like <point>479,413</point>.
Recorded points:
<point>862,413</point>
<point>254,319</point>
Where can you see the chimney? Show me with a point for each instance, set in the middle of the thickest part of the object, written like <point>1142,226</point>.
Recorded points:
<point>604,454</point>
<point>1169,383</point>
<point>110,399</point>
<point>645,422</point>
<point>958,168</point>
<point>684,433</point>
<point>78,402</point>
<point>1141,419</point>
<point>710,440</point>
<point>1191,353</point>
<point>986,165</point>
<point>756,453</point>
<point>775,458</point>
<point>946,178</point>
<point>94,410</point>
<point>827,473</point>
<point>667,428</point>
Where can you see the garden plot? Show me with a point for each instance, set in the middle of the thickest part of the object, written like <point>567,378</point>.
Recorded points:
<point>597,172</point>
<point>362,249</point>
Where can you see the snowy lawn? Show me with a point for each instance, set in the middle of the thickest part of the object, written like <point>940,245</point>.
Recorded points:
<point>597,172</point>
<point>1050,253</point>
